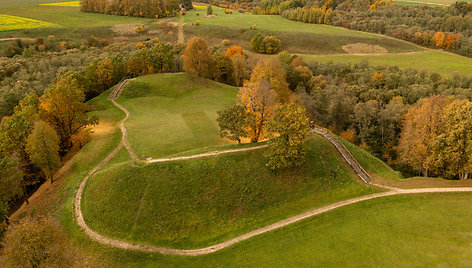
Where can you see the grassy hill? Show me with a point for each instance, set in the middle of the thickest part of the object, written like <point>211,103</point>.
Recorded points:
<point>202,201</point>
<point>174,113</point>
<point>228,195</point>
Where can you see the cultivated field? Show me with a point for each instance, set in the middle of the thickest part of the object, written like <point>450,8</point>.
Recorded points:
<point>64,4</point>
<point>8,23</point>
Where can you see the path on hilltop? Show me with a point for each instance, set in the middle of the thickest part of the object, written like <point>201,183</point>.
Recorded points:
<point>213,248</point>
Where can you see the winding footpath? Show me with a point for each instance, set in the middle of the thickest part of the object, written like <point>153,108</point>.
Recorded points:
<point>363,175</point>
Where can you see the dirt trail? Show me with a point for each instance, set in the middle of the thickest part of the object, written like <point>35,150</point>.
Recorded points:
<point>180,34</point>
<point>214,153</point>
<point>211,249</point>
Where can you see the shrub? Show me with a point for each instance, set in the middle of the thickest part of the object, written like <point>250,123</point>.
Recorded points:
<point>139,29</point>
<point>228,11</point>
<point>209,10</point>
<point>197,22</point>
<point>253,27</point>
<point>225,42</point>
<point>267,44</point>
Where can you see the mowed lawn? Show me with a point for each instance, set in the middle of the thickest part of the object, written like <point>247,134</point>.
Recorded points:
<point>428,2</point>
<point>446,64</point>
<point>178,113</point>
<point>196,203</point>
<point>295,36</point>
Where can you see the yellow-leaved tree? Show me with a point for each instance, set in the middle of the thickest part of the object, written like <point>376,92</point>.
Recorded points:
<point>261,94</point>
<point>422,124</point>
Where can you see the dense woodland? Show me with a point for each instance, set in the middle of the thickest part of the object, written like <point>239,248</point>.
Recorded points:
<point>448,28</point>
<point>135,8</point>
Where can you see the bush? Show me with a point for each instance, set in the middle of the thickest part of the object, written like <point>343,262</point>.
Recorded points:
<point>197,22</point>
<point>139,29</point>
<point>225,42</point>
<point>209,10</point>
<point>267,44</point>
<point>253,27</point>
<point>228,11</point>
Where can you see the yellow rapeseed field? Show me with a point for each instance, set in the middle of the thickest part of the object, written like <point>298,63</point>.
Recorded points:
<point>8,22</point>
<point>64,4</point>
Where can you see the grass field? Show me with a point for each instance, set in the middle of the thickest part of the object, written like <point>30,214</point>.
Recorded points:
<point>8,23</point>
<point>176,114</point>
<point>428,2</point>
<point>411,3</point>
<point>432,61</point>
<point>295,36</point>
<point>64,4</point>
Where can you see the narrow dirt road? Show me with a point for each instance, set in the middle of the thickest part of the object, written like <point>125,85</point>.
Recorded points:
<point>180,33</point>
<point>211,249</point>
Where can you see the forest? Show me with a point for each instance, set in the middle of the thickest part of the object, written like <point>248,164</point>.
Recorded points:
<point>446,28</point>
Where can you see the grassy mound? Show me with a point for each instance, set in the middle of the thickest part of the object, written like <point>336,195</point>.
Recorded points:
<point>203,201</point>
<point>173,113</point>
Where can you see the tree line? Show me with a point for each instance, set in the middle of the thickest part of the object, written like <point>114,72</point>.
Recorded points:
<point>135,8</point>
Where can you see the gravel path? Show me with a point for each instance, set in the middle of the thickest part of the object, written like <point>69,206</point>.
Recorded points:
<point>211,249</point>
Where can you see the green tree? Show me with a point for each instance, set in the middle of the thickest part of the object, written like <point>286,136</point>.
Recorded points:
<point>104,73</point>
<point>452,150</point>
<point>63,108</point>
<point>10,184</point>
<point>43,148</point>
<point>197,58</point>
<point>232,122</point>
<point>187,4</point>
<point>209,10</point>
<point>161,57</point>
<point>290,126</point>
<point>223,71</point>
<point>137,64</point>
<point>14,131</point>
<point>37,243</point>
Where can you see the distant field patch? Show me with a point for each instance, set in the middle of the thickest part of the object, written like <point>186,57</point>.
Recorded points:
<point>361,48</point>
<point>8,22</point>
<point>63,4</point>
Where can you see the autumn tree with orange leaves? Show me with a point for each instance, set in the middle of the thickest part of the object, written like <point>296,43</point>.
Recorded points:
<point>422,124</point>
